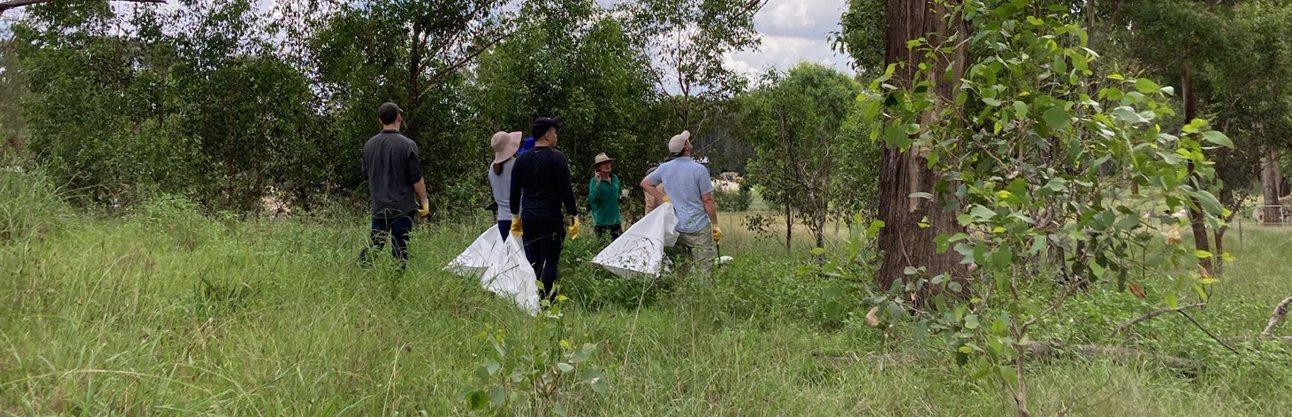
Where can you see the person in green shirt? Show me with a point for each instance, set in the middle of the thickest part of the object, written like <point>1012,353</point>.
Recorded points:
<point>604,195</point>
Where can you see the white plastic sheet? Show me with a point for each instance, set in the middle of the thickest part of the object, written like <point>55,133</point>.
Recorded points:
<point>640,250</point>
<point>501,267</point>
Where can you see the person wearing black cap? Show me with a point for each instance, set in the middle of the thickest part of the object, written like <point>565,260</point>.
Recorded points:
<point>395,185</point>
<point>541,183</point>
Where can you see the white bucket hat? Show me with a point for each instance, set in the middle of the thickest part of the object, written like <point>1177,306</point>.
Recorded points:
<point>505,145</point>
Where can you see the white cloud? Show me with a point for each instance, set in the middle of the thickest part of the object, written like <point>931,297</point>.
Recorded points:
<point>788,16</point>
<point>793,31</point>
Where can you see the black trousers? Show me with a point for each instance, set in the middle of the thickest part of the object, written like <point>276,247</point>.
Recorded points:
<point>614,230</point>
<point>396,229</point>
<point>544,240</point>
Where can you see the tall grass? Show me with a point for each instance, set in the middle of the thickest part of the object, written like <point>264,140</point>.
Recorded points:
<point>168,312</point>
<point>29,205</point>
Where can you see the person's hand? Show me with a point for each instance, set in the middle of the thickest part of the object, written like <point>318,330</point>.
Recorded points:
<point>717,234</point>
<point>574,229</point>
<point>423,208</point>
<point>623,194</point>
<point>516,229</point>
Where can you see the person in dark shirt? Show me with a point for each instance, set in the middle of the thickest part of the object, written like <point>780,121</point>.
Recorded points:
<point>395,185</point>
<point>541,183</point>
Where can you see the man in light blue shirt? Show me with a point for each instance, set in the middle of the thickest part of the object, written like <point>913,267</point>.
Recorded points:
<point>691,192</point>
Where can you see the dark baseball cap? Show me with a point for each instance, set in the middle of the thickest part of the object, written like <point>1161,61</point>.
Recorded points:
<point>542,124</point>
<point>388,112</point>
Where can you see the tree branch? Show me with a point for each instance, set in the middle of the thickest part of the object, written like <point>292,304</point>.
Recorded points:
<point>13,4</point>
<point>1148,316</point>
<point>440,75</point>
<point>1280,312</point>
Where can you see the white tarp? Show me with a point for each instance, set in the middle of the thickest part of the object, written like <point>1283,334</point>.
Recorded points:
<point>501,267</point>
<point>640,250</point>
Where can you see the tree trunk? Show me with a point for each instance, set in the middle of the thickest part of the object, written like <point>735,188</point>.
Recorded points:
<point>1270,176</point>
<point>1195,216</point>
<point>789,227</point>
<point>903,242</point>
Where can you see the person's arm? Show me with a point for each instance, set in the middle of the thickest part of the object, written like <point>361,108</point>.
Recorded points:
<point>650,186</point>
<point>567,184</point>
<point>419,185</point>
<point>516,168</point>
<point>594,194</point>
<point>420,189</point>
<point>710,208</point>
<point>706,197</point>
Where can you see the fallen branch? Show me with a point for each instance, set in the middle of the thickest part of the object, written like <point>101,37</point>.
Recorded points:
<point>1139,319</point>
<point>1041,349</point>
<point>1208,332</point>
<point>1280,311</point>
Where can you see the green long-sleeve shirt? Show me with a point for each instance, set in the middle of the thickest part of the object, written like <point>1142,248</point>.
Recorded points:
<point>604,199</point>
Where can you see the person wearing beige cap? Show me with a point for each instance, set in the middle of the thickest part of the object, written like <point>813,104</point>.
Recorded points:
<point>604,195</point>
<point>691,192</point>
<point>504,154</point>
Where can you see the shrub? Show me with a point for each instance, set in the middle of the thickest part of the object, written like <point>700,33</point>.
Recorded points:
<point>734,200</point>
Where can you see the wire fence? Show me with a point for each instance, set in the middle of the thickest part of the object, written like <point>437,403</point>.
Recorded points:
<point>1273,215</point>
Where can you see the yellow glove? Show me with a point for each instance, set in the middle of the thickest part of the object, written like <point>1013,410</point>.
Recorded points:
<point>574,229</point>
<point>516,229</point>
<point>423,208</point>
<point>717,235</point>
<point>667,200</point>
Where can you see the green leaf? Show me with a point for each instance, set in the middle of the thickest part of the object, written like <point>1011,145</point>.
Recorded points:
<point>1057,117</point>
<point>1128,115</point>
<point>583,353</point>
<point>874,228</point>
<point>982,213</point>
<point>1002,257</point>
<point>1147,86</point>
<point>1208,202</point>
<point>478,400</point>
<point>943,241</point>
<point>598,383</point>
<point>921,331</point>
<point>1218,138</point>
<point>492,366</point>
<point>558,408</point>
<point>971,322</point>
<point>564,367</point>
<point>497,396</point>
<point>1202,254</point>
<point>1172,301</point>
<point>991,101</point>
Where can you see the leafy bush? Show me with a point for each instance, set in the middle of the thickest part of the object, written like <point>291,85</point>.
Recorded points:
<point>176,216</point>
<point>734,200</point>
<point>30,206</point>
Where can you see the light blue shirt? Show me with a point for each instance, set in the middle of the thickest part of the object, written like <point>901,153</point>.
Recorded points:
<point>501,184</point>
<point>686,181</point>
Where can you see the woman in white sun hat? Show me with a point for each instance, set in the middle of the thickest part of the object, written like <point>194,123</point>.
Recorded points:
<point>504,155</point>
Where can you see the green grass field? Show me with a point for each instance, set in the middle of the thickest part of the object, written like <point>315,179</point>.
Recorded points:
<point>166,312</point>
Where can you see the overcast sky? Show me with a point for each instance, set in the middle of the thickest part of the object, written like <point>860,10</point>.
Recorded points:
<point>793,31</point>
